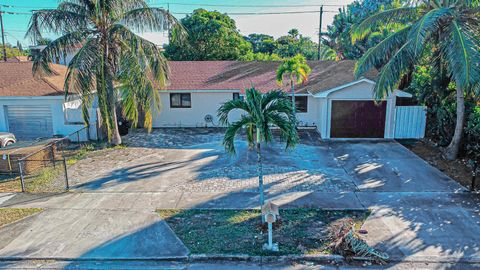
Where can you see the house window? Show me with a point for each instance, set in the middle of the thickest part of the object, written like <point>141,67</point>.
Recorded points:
<point>180,100</point>
<point>301,104</point>
<point>237,96</point>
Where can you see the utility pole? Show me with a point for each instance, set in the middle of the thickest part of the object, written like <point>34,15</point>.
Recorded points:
<point>3,37</point>
<point>168,23</point>
<point>320,33</point>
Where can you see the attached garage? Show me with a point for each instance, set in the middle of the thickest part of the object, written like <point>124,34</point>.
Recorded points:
<point>30,122</point>
<point>358,119</point>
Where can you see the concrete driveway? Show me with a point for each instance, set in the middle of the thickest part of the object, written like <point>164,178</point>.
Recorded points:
<point>418,212</point>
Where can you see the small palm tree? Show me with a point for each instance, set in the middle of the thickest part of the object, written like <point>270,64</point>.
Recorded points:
<point>450,27</point>
<point>261,112</point>
<point>110,54</point>
<point>297,69</point>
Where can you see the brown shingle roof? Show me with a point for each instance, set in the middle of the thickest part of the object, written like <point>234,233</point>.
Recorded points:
<point>234,75</point>
<point>16,79</point>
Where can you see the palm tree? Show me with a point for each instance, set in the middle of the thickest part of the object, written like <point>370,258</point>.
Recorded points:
<point>298,71</point>
<point>261,112</point>
<point>449,26</point>
<point>112,59</point>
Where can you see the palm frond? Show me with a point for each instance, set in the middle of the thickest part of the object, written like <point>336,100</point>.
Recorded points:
<point>229,106</point>
<point>56,21</point>
<point>381,52</point>
<point>423,28</point>
<point>288,131</point>
<point>360,31</point>
<point>82,70</point>
<point>232,131</point>
<point>463,55</point>
<point>390,74</point>
<point>57,49</point>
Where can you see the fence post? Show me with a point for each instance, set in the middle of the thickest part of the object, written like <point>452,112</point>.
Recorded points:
<point>53,154</point>
<point>22,177</point>
<point>66,173</point>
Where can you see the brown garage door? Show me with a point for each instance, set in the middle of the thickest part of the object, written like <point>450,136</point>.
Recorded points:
<point>358,119</point>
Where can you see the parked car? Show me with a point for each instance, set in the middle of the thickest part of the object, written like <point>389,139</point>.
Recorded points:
<point>6,139</point>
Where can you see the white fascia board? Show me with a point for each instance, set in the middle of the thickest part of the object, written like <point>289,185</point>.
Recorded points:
<point>325,94</point>
<point>62,97</point>
<point>400,93</point>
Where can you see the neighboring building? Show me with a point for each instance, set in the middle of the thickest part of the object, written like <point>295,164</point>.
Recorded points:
<point>35,107</point>
<point>332,101</point>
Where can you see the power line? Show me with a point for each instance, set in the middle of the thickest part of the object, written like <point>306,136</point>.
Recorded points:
<point>254,6</point>
<point>205,5</point>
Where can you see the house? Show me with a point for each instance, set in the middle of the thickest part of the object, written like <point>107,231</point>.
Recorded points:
<point>332,101</point>
<point>35,107</point>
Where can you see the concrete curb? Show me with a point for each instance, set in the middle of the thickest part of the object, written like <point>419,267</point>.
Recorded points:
<point>208,258</point>
<point>197,258</point>
<point>265,259</point>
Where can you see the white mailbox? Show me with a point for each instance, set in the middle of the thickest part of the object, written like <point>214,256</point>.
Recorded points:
<point>270,213</point>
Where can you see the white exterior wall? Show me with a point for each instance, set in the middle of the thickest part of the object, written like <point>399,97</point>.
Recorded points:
<point>60,126</point>
<point>310,118</point>
<point>208,102</point>
<point>203,103</point>
<point>360,91</point>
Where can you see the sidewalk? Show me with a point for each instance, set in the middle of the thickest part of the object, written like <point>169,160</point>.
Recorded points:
<point>417,227</point>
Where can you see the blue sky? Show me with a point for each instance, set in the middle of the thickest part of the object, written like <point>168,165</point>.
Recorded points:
<point>276,25</point>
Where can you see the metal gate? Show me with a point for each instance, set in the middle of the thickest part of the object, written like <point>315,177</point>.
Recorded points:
<point>30,122</point>
<point>410,122</point>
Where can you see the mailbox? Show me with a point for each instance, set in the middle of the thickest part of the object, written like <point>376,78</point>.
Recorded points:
<point>269,214</point>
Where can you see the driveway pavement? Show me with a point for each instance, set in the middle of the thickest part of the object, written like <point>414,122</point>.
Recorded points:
<point>419,214</point>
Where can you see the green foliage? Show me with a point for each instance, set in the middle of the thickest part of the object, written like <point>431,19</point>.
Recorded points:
<point>262,43</point>
<point>472,132</point>
<point>12,51</point>
<point>296,68</point>
<point>110,54</point>
<point>339,33</point>
<point>446,32</point>
<point>261,112</point>
<point>211,36</point>
<point>250,56</point>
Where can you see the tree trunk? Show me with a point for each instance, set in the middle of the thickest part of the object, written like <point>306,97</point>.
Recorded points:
<point>452,150</point>
<point>116,138</point>
<point>293,96</point>
<point>260,169</point>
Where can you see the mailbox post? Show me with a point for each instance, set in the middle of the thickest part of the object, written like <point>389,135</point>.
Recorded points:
<point>270,213</point>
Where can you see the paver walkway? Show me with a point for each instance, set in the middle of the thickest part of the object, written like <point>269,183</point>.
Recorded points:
<point>418,212</point>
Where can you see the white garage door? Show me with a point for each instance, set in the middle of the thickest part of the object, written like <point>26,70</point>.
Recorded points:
<point>30,122</point>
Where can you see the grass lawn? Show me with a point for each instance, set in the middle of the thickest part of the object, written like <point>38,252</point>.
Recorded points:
<point>10,183</point>
<point>10,215</point>
<point>300,231</point>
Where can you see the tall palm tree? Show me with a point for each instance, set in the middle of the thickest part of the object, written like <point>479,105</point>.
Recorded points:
<point>297,69</point>
<point>449,26</point>
<point>112,59</point>
<point>261,112</point>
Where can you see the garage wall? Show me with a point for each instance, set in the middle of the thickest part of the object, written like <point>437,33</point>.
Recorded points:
<point>360,91</point>
<point>60,126</point>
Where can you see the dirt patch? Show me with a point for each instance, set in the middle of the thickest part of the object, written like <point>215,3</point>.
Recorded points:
<point>458,170</point>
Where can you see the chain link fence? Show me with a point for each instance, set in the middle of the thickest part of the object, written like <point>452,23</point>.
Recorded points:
<point>45,170</point>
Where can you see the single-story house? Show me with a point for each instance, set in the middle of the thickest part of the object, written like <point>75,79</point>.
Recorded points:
<point>332,101</point>
<point>34,108</point>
